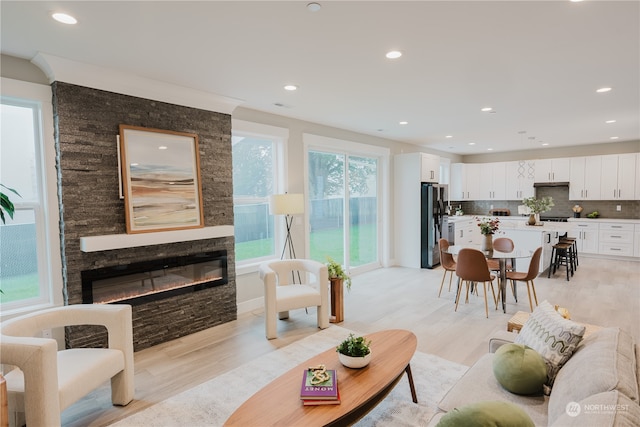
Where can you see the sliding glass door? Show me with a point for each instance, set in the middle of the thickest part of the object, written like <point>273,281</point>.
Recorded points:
<point>343,198</point>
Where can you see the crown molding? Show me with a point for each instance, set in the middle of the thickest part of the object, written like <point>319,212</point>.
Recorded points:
<point>93,76</point>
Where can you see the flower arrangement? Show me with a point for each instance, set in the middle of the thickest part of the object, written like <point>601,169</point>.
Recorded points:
<point>537,206</point>
<point>488,225</point>
<point>336,271</point>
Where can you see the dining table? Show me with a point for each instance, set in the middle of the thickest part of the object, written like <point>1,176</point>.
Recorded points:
<point>502,258</point>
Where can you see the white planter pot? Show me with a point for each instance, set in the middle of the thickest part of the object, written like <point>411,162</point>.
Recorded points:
<point>354,362</point>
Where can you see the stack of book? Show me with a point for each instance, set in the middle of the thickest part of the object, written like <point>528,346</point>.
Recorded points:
<point>319,387</point>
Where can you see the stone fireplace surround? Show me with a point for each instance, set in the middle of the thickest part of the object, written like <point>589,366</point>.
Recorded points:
<point>86,125</point>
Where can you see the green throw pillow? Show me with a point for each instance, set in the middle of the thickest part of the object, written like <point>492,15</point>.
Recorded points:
<point>519,369</point>
<point>487,414</point>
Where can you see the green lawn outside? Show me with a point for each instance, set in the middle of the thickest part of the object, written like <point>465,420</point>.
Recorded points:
<point>21,287</point>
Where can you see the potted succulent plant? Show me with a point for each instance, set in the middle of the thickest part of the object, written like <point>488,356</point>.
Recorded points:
<point>354,352</point>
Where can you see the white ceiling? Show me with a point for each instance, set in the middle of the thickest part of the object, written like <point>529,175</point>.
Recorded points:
<point>537,63</point>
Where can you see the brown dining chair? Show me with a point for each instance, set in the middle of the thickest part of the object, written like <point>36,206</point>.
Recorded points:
<point>471,267</point>
<point>534,269</point>
<point>447,262</point>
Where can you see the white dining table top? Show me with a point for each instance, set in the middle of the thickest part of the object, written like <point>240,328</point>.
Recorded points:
<point>516,253</point>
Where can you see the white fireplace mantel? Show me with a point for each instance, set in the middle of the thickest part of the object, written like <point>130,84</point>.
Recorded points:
<point>121,241</point>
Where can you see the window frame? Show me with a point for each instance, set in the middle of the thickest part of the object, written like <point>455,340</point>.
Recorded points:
<point>47,216</point>
<point>280,137</point>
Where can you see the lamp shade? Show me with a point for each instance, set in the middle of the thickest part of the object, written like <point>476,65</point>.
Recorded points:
<point>286,204</point>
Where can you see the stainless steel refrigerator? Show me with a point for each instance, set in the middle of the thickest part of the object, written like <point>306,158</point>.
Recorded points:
<point>434,222</point>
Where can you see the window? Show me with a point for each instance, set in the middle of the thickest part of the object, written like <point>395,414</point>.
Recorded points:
<point>30,268</point>
<point>345,198</point>
<point>257,152</point>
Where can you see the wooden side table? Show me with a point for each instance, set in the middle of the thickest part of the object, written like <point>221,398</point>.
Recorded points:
<point>337,300</point>
<point>520,318</point>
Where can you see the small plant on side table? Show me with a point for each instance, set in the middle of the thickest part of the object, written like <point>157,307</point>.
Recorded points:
<point>337,272</point>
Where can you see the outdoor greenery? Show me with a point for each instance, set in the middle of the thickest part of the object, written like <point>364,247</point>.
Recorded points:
<point>354,346</point>
<point>16,288</point>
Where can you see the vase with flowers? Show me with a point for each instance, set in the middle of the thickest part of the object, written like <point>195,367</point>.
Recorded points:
<point>536,207</point>
<point>488,227</point>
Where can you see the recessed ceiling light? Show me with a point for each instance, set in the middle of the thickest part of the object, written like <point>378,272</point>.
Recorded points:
<point>545,144</point>
<point>610,121</point>
<point>64,18</point>
<point>291,87</point>
<point>614,137</point>
<point>314,7</point>
<point>489,149</point>
<point>486,109</point>
<point>404,123</point>
<point>162,147</point>
<point>472,143</point>
<point>575,1</point>
<point>394,54</point>
<point>603,89</point>
<point>449,136</point>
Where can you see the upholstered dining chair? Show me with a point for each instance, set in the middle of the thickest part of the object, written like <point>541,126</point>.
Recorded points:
<point>447,262</point>
<point>527,277</point>
<point>45,381</point>
<point>502,244</point>
<point>471,267</point>
<point>282,295</point>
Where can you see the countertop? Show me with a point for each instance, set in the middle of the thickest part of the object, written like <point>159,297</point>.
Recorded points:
<point>598,220</point>
<point>518,223</point>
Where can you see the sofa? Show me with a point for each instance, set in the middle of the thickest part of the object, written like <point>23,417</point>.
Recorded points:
<point>597,386</point>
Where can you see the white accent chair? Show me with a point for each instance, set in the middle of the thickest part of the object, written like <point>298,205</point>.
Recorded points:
<point>282,295</point>
<point>46,380</point>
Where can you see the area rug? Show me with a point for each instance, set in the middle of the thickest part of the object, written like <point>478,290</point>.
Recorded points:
<point>211,403</point>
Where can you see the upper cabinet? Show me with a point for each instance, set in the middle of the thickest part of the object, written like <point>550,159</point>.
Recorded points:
<point>430,168</point>
<point>418,167</point>
<point>519,179</point>
<point>584,182</point>
<point>552,170</point>
<point>637,193</point>
<point>618,177</point>
<point>465,182</point>
<point>492,181</point>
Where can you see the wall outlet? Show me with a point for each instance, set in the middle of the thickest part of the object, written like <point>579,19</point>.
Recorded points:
<point>46,333</point>
<point>618,208</point>
<point>491,207</point>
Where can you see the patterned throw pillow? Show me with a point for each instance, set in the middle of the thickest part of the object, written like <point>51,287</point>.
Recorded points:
<point>551,335</point>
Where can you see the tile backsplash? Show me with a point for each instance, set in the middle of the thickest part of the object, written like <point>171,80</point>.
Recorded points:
<point>629,209</point>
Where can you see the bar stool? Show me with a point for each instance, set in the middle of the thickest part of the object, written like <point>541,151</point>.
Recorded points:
<point>573,251</point>
<point>560,255</point>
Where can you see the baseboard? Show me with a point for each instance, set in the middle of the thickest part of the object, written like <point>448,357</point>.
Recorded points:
<point>248,306</point>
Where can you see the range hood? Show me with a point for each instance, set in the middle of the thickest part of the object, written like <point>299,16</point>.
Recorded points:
<point>551,184</point>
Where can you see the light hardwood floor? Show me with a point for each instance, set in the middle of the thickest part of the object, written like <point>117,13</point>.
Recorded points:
<point>602,292</point>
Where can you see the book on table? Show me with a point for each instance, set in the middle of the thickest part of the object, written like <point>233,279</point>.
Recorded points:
<point>316,402</point>
<point>319,386</point>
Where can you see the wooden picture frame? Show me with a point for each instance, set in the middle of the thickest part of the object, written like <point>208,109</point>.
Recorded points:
<point>161,179</point>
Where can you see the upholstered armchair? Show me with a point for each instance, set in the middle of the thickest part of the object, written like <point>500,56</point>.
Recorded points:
<point>282,295</point>
<point>47,380</point>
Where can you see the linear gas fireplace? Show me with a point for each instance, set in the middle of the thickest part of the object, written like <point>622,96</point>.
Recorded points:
<point>146,281</point>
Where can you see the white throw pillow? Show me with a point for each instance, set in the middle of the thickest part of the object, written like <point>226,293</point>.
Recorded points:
<point>551,335</point>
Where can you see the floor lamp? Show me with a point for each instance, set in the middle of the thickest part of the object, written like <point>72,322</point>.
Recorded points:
<point>288,204</point>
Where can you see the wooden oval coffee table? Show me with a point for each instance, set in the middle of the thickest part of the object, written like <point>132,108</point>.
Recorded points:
<point>278,403</point>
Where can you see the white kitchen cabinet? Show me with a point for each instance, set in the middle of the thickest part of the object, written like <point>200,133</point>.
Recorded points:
<point>584,178</point>
<point>418,167</point>
<point>637,181</point>
<point>618,177</point>
<point>616,239</point>
<point>519,179</point>
<point>465,182</point>
<point>464,232</point>
<point>552,170</point>
<point>586,234</point>
<point>430,168</point>
<point>492,181</point>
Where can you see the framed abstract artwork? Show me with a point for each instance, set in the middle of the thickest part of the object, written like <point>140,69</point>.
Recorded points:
<point>161,179</point>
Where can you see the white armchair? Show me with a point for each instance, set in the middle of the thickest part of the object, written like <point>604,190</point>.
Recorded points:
<point>48,380</point>
<point>281,295</point>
